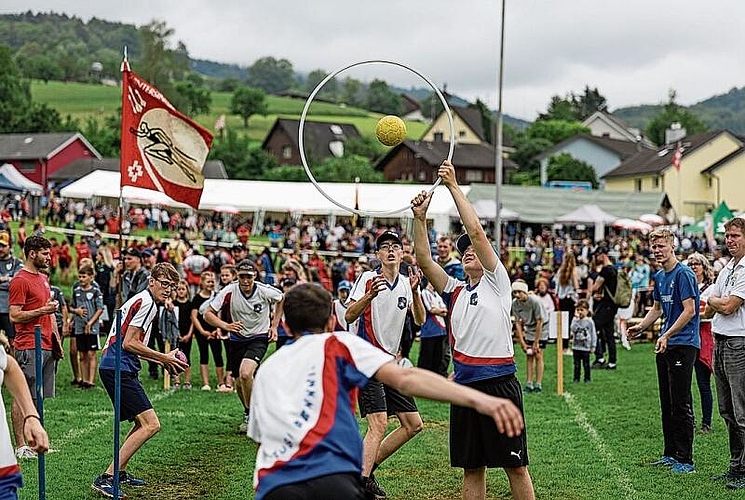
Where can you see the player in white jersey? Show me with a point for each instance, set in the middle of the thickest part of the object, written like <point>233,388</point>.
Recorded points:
<point>339,307</point>
<point>309,441</point>
<point>253,326</point>
<point>481,338</point>
<point>380,299</point>
<point>138,314</point>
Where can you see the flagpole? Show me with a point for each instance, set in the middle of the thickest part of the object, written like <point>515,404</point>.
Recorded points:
<point>124,70</point>
<point>498,164</point>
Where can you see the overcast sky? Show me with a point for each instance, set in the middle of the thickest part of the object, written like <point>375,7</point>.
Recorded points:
<point>633,51</point>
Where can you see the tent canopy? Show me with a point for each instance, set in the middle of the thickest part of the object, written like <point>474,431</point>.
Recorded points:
<point>20,181</point>
<point>719,216</point>
<point>486,209</point>
<point>587,214</point>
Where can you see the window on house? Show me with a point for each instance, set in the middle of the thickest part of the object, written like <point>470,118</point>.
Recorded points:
<point>27,166</point>
<point>710,182</point>
<point>656,182</point>
<point>422,176</point>
<point>461,134</point>
<point>474,175</point>
<point>637,185</point>
<point>286,152</point>
<point>438,136</point>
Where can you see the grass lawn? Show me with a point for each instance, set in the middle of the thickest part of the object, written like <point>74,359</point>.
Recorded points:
<point>83,101</point>
<point>591,443</point>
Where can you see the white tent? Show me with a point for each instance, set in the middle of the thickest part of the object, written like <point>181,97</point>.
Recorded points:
<point>261,197</point>
<point>13,175</point>
<point>589,214</point>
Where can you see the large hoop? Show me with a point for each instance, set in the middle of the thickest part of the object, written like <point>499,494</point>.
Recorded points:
<point>301,129</point>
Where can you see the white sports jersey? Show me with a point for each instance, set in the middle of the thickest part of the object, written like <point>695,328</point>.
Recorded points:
<point>382,322</point>
<point>10,473</point>
<point>252,310</point>
<point>302,409</point>
<point>480,326</point>
<point>340,309</point>
<point>139,311</point>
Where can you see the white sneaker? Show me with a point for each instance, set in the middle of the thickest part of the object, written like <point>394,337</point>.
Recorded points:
<point>243,428</point>
<point>206,387</point>
<point>25,452</point>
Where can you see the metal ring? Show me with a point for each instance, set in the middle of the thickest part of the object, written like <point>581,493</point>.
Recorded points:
<point>378,213</point>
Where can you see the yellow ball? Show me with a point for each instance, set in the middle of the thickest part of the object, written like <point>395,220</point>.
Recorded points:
<point>391,130</point>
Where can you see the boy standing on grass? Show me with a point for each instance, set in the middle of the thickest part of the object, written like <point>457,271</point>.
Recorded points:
<point>530,319</point>
<point>584,339</point>
<point>676,296</point>
<point>86,307</point>
<point>309,441</point>
<point>138,314</point>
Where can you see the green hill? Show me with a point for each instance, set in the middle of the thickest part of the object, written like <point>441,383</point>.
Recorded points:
<point>83,100</point>
<point>723,111</point>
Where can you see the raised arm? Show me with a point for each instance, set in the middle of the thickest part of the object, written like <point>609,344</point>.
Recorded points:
<point>486,254</point>
<point>434,273</point>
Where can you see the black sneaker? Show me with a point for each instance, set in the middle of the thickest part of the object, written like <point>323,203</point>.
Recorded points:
<point>728,476</point>
<point>373,491</point>
<point>598,363</point>
<point>104,485</point>
<point>130,480</point>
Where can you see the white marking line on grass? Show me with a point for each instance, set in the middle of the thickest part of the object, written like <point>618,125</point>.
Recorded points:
<point>580,417</point>
<point>75,434</point>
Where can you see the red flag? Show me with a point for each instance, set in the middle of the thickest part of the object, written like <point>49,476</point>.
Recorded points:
<point>677,156</point>
<point>162,149</point>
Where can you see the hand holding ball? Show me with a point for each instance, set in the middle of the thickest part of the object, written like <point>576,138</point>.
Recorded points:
<point>391,130</point>
<point>179,354</point>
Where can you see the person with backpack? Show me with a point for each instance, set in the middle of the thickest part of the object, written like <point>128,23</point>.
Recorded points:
<point>604,314</point>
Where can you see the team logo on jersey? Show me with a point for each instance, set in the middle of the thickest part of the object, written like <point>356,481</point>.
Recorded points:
<point>257,308</point>
<point>89,295</point>
<point>474,299</point>
<point>402,303</point>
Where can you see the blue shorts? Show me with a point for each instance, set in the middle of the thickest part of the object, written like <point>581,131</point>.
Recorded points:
<point>133,398</point>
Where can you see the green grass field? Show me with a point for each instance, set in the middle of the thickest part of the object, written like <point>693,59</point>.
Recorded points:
<point>592,443</point>
<point>82,101</point>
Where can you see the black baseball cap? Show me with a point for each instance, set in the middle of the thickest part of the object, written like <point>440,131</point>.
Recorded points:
<point>238,245</point>
<point>148,252</point>
<point>462,243</point>
<point>600,250</point>
<point>133,252</point>
<point>387,236</point>
<point>246,266</point>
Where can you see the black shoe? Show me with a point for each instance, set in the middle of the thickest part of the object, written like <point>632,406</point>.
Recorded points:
<point>373,491</point>
<point>598,364</point>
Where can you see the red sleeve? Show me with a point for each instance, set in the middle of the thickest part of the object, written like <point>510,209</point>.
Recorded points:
<point>17,291</point>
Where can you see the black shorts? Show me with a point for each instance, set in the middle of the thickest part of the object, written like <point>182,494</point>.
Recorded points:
<point>541,343</point>
<point>86,343</point>
<point>377,397</point>
<point>475,441</point>
<point>346,486</point>
<point>133,398</point>
<point>7,326</point>
<point>253,349</point>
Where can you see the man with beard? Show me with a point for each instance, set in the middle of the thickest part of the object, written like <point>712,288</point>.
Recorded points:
<point>30,305</point>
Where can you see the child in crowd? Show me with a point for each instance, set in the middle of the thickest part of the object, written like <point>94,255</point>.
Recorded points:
<point>182,308</point>
<point>228,275</point>
<point>585,339</point>
<point>86,307</point>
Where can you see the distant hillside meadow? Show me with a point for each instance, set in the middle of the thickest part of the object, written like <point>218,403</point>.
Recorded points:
<point>84,100</point>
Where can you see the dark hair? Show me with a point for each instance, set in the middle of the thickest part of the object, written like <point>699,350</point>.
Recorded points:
<point>165,270</point>
<point>34,244</point>
<point>307,307</point>
<point>87,270</point>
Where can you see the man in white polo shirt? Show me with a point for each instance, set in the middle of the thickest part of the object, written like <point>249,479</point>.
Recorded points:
<point>380,299</point>
<point>481,338</point>
<point>726,305</point>
<point>253,326</point>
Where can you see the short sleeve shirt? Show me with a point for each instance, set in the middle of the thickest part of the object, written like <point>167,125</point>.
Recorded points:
<point>382,322</point>
<point>252,310</point>
<point>730,281</point>
<point>10,473</point>
<point>31,291</point>
<point>140,312</point>
<point>529,312</point>
<point>670,290</point>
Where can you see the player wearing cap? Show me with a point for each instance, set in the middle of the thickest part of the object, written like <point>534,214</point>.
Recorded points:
<point>9,267</point>
<point>481,338</point>
<point>134,277</point>
<point>309,444</point>
<point>340,309</point>
<point>253,326</point>
<point>381,299</point>
<point>138,314</point>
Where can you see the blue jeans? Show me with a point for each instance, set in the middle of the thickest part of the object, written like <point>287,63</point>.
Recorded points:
<point>729,375</point>
<point>674,373</point>
<point>703,381</point>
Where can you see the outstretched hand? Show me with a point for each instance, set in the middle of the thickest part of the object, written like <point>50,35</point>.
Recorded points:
<point>420,204</point>
<point>446,172</point>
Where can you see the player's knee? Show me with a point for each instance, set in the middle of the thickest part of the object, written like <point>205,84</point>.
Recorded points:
<point>414,427</point>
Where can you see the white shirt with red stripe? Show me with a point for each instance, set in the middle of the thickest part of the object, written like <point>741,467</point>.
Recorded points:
<point>303,409</point>
<point>10,473</point>
<point>139,311</point>
<point>252,310</point>
<point>382,322</point>
<point>480,326</point>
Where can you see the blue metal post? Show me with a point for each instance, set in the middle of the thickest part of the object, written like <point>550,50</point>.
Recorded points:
<point>40,405</point>
<point>117,397</point>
